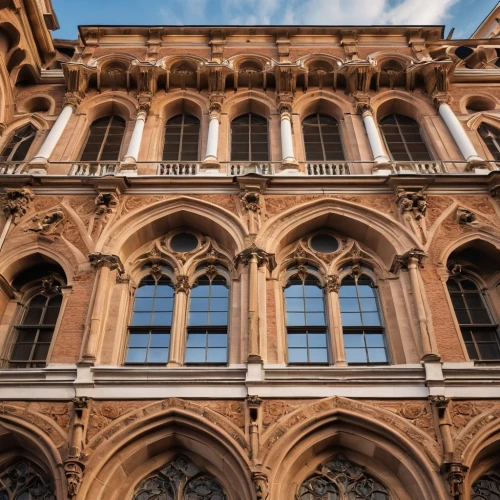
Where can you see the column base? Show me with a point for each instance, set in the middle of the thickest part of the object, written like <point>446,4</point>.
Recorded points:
<point>210,162</point>
<point>478,166</point>
<point>382,168</point>
<point>290,162</point>
<point>431,357</point>
<point>37,166</point>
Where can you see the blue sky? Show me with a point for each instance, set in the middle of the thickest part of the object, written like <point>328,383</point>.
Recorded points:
<point>464,15</point>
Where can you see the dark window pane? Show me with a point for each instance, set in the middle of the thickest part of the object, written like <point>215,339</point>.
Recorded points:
<point>184,242</point>
<point>21,352</point>
<point>41,351</point>
<point>489,351</point>
<point>105,138</point>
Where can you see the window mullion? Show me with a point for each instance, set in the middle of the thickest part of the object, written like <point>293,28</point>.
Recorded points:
<point>321,137</point>
<point>250,137</point>
<point>181,139</point>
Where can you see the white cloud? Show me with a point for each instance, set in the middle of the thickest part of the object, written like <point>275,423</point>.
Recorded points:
<point>185,12</point>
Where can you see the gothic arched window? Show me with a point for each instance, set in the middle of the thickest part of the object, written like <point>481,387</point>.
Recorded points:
<point>105,139</point>
<point>487,487</point>
<point>341,479</point>
<point>149,331</point>
<point>181,140</point>
<point>322,139</point>
<point>19,144</point>
<point>479,332</point>
<point>23,480</point>
<point>363,332</point>
<point>33,335</point>
<point>404,139</point>
<point>305,320</point>
<point>491,137</point>
<point>208,321</point>
<point>249,138</point>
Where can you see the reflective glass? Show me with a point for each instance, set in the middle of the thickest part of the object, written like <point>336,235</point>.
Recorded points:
<point>356,355</point>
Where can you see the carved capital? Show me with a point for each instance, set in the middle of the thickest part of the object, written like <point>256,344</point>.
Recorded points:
<point>261,485</point>
<point>403,261</point>
<point>182,285</point>
<point>81,402</point>
<point>74,470</point>
<point>16,202</point>
<point>253,401</point>
<point>414,202</point>
<point>333,283</point>
<point>439,98</point>
<point>455,475</point>
<point>72,99</point>
<point>363,104</point>
<point>263,258</point>
<point>215,110</point>
<point>285,110</point>
<point>112,262</point>
<point>440,403</point>
<point>144,105</point>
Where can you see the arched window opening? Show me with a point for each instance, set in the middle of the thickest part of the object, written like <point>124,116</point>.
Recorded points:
<point>342,479</point>
<point>182,134</point>
<point>149,331</point>
<point>105,139</point>
<point>404,139</point>
<point>249,138</point>
<point>479,332</point>
<point>305,320</point>
<point>491,137</point>
<point>208,321</point>
<point>180,480</point>
<point>23,480</point>
<point>487,487</point>
<point>33,335</point>
<point>322,139</point>
<point>18,147</point>
<point>364,338</point>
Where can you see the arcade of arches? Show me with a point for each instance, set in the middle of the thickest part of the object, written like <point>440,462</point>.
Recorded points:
<point>248,264</point>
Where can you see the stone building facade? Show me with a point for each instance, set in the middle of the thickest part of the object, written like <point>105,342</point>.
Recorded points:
<point>248,263</point>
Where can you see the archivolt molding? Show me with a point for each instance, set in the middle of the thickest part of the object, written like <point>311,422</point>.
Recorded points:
<point>306,104</point>
<point>120,103</point>
<point>20,121</point>
<point>235,61</point>
<point>415,107</point>
<point>168,106</point>
<point>242,102</point>
<point>382,56</point>
<point>122,57</point>
<point>168,61</point>
<point>320,56</point>
<point>490,117</point>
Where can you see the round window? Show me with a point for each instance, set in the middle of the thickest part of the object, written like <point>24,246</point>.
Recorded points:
<point>324,243</point>
<point>183,242</point>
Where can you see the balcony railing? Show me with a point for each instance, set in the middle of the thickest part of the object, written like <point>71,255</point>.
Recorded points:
<point>234,169</point>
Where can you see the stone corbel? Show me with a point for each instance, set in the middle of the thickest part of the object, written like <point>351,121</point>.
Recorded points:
<point>414,202</point>
<point>254,408</point>
<point>217,42</point>
<point>16,202</point>
<point>437,75</point>
<point>217,81</point>
<point>261,485</point>
<point>349,41</point>
<point>464,216</point>
<point>402,261</point>
<point>146,76</point>
<point>106,202</point>
<point>418,44</point>
<point>112,262</point>
<point>363,103</point>
<point>283,43</point>
<point>455,475</point>
<point>285,79</point>
<point>154,43</point>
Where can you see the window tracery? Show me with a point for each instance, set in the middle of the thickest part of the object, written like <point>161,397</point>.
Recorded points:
<point>18,147</point>
<point>342,480</point>
<point>23,480</point>
<point>487,487</point>
<point>491,137</point>
<point>180,480</point>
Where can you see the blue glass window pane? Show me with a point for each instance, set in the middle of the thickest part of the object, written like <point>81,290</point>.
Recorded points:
<point>317,340</point>
<point>375,340</point>
<point>199,304</point>
<point>318,356</point>
<point>313,291</point>
<point>218,318</point>
<point>136,356</point>
<point>215,355</point>
<point>347,291</point>
<point>297,340</point>
<point>200,291</point>
<point>314,305</point>
<point>145,304</point>
<point>145,291</point>
<point>294,291</point>
<point>355,355</point>
<point>349,305</point>
<point>158,356</point>
<point>351,319</point>
<point>198,319</point>
<point>297,355</point>
<point>162,318</point>
<point>366,291</point>
<point>354,340</point>
<point>138,340</point>
<point>368,305</point>
<point>371,319</point>
<point>294,304</point>
<point>196,340</point>
<point>164,304</point>
<point>377,355</point>
<point>195,355</point>
<point>160,340</point>
<point>315,319</point>
<point>295,319</point>
<point>164,291</point>
<point>220,291</point>
<point>218,304</point>
<point>217,340</point>
<point>141,319</point>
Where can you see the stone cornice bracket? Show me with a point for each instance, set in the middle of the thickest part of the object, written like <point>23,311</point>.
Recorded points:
<point>77,76</point>
<point>261,485</point>
<point>263,258</point>
<point>285,79</point>
<point>144,104</point>
<point>182,285</point>
<point>348,41</point>
<point>16,202</point>
<point>112,262</point>
<point>412,201</point>
<point>437,76</point>
<point>217,42</point>
<point>146,76</point>
<point>418,44</point>
<point>283,43</point>
<point>217,80</point>
<point>402,261</point>
<point>455,475</point>
<point>439,402</point>
<point>154,42</point>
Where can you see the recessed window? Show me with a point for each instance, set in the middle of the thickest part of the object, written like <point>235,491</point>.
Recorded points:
<point>182,134</point>
<point>249,138</point>
<point>491,137</point>
<point>105,139</point>
<point>487,486</point>
<point>19,144</point>
<point>184,242</point>
<point>324,243</point>
<point>322,138</point>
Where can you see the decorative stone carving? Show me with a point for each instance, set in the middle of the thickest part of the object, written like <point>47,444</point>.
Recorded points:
<point>261,484</point>
<point>333,283</point>
<point>51,285</point>
<point>73,469</point>
<point>112,262</point>
<point>23,479</point>
<point>402,261</point>
<point>250,200</point>
<point>465,216</point>
<point>182,285</point>
<point>48,225</point>
<point>263,257</point>
<point>455,475</point>
<point>16,202</point>
<point>106,203</point>
<point>412,202</point>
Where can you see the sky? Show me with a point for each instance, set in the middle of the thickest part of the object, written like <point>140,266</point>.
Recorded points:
<point>464,15</point>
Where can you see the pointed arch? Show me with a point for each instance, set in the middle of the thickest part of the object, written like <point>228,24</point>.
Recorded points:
<point>396,101</point>
<point>118,103</point>
<point>249,102</point>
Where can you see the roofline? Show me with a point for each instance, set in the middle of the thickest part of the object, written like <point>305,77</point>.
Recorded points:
<point>265,27</point>
<point>485,19</point>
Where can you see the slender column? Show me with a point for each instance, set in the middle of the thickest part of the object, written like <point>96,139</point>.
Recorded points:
<point>376,145</point>
<point>104,265</point>
<point>458,133</point>
<point>287,152</point>
<point>178,333</point>
<point>55,133</point>
<point>213,136</point>
<point>136,139</point>
<point>336,334</point>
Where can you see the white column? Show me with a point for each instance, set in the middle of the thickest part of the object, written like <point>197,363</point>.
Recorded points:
<point>136,139</point>
<point>55,133</point>
<point>458,133</point>
<point>211,156</point>
<point>287,153</point>
<point>376,146</point>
